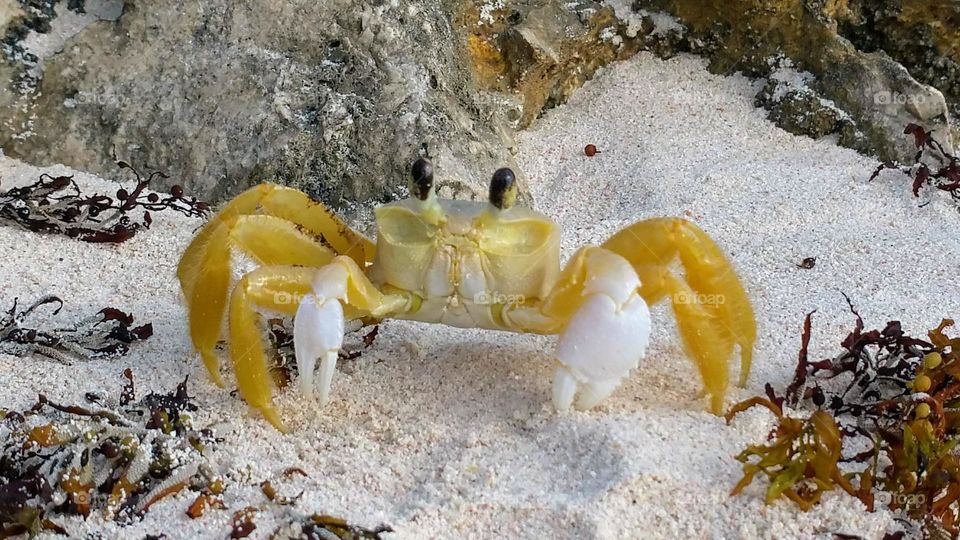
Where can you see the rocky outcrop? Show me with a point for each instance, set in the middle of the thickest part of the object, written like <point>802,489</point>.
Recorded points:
<point>336,98</point>
<point>864,96</point>
<point>333,97</point>
<point>540,52</point>
<point>921,35</point>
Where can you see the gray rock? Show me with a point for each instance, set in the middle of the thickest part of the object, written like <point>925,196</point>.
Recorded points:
<point>796,107</point>
<point>884,98</point>
<point>335,97</point>
<point>923,38</point>
<point>876,98</point>
<point>866,97</point>
<point>338,97</point>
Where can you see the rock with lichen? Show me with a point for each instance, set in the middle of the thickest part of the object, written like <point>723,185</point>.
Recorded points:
<point>923,36</point>
<point>796,107</point>
<point>871,96</point>
<point>540,52</point>
<point>336,98</point>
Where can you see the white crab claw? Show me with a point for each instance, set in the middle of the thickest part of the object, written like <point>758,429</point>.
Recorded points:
<point>317,333</point>
<point>564,388</point>
<point>601,344</point>
<point>594,392</point>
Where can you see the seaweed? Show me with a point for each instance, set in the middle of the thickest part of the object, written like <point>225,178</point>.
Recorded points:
<point>114,458</point>
<point>295,524</point>
<point>321,526</point>
<point>807,263</point>
<point>284,365</point>
<point>55,205</point>
<point>204,502</point>
<point>107,333</point>
<point>801,462</point>
<point>945,176</point>
<point>880,365</point>
<point>120,458</point>
<point>242,523</point>
<point>885,426</point>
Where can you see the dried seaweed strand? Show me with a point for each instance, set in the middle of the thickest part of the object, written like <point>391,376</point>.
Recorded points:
<point>55,205</point>
<point>943,177</point>
<point>106,334</point>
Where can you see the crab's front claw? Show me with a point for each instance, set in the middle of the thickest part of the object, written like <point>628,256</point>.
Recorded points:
<point>318,333</point>
<point>318,330</point>
<point>566,386</point>
<point>341,292</point>
<point>602,342</point>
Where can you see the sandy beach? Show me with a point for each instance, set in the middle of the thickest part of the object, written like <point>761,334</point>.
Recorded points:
<point>448,433</point>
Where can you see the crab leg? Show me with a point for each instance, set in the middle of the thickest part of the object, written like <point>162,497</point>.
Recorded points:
<point>269,240</point>
<point>712,309</point>
<point>319,322</point>
<point>293,230</point>
<point>278,288</point>
<point>705,337</point>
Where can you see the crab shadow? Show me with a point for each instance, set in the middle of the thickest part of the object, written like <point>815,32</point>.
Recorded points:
<point>481,376</point>
<point>487,378</point>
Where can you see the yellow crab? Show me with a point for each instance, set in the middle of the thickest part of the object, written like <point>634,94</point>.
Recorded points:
<point>462,263</point>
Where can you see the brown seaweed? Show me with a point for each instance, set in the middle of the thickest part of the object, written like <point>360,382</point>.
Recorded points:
<point>945,176</point>
<point>56,205</point>
<point>106,334</point>
<point>885,428</point>
<point>119,459</point>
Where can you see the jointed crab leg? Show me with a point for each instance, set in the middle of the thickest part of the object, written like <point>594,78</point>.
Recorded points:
<point>705,337</point>
<point>295,230</point>
<point>711,306</point>
<point>295,206</point>
<point>276,241</point>
<point>204,274</point>
<point>277,288</point>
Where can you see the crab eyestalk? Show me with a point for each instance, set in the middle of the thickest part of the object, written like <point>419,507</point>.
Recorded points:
<point>422,190</point>
<point>503,189</point>
<point>421,180</point>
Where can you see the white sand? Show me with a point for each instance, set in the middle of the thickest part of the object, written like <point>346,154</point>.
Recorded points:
<point>447,433</point>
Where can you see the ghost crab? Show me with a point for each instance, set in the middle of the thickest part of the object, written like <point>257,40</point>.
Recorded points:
<point>493,265</point>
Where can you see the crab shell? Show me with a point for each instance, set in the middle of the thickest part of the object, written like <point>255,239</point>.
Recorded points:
<point>468,265</point>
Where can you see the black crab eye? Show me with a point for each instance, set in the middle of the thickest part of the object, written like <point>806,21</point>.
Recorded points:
<point>421,179</point>
<point>503,189</point>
